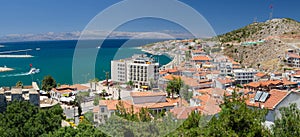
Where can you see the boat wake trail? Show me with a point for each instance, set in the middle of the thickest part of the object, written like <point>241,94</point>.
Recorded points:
<point>15,75</point>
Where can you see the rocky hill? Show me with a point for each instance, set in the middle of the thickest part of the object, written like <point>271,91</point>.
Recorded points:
<point>262,45</point>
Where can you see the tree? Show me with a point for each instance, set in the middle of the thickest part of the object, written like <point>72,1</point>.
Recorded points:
<point>95,81</point>
<point>89,116</point>
<point>190,127</point>
<point>106,78</point>
<point>174,86</point>
<point>23,119</point>
<point>289,123</point>
<point>130,83</point>
<point>19,84</point>
<point>185,93</point>
<point>77,103</point>
<point>96,100</point>
<point>82,130</point>
<point>237,119</point>
<point>48,83</point>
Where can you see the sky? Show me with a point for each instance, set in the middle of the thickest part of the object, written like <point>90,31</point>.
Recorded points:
<point>36,16</point>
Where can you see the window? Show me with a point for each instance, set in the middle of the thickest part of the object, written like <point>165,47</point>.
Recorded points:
<point>102,110</point>
<point>105,117</point>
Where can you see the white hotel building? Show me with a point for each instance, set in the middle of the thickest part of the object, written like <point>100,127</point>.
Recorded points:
<point>140,69</point>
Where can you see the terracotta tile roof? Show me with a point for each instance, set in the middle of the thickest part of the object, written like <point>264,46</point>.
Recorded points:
<point>224,80</point>
<point>201,58</point>
<point>190,81</point>
<point>204,98</point>
<point>112,104</point>
<point>62,91</point>
<point>197,51</point>
<point>287,82</point>
<point>182,112</point>
<point>148,93</point>
<point>154,105</point>
<point>292,55</point>
<point>96,109</point>
<point>170,77</point>
<point>211,91</point>
<point>264,83</point>
<point>162,72</point>
<point>260,74</point>
<point>253,84</point>
<point>80,87</point>
<point>275,97</point>
<point>210,108</point>
<point>172,70</point>
<point>178,101</point>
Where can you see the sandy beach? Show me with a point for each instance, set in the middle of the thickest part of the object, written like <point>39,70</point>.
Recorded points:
<point>4,69</point>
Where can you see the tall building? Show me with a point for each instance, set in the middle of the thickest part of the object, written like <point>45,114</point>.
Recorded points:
<point>140,69</point>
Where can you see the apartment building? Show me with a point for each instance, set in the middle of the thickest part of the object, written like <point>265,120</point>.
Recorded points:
<point>242,76</point>
<point>143,71</point>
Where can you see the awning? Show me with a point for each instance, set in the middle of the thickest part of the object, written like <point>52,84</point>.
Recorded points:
<point>66,99</point>
<point>144,86</point>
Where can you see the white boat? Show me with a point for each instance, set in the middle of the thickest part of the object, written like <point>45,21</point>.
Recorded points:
<point>98,47</point>
<point>37,48</point>
<point>34,71</point>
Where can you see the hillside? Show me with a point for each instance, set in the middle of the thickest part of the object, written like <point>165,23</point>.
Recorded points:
<point>262,45</point>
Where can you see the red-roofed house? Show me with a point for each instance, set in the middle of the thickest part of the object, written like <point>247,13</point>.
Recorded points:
<point>273,101</point>
<point>201,59</point>
<point>293,60</point>
<point>155,101</point>
<point>261,76</point>
<point>223,83</point>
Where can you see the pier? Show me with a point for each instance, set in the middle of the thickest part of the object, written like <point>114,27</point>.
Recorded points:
<point>4,54</point>
<point>16,56</point>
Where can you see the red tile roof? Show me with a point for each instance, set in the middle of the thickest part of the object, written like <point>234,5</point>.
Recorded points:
<point>275,97</point>
<point>224,80</point>
<point>292,55</point>
<point>148,93</point>
<point>260,74</point>
<point>201,58</point>
<point>182,112</point>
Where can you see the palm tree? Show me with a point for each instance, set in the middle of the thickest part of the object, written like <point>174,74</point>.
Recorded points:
<point>174,86</point>
<point>19,84</point>
<point>95,81</point>
<point>130,83</point>
<point>106,77</point>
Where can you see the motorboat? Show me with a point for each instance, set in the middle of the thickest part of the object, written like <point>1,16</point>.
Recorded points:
<point>34,71</point>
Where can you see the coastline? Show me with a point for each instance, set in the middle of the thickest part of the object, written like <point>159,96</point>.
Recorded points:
<point>5,69</point>
<point>171,56</point>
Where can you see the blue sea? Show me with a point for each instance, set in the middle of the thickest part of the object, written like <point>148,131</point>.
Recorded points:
<point>55,58</point>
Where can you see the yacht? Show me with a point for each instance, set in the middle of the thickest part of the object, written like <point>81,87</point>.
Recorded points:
<point>34,71</point>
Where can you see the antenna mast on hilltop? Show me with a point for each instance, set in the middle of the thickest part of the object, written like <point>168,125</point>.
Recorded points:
<point>271,13</point>
<point>255,20</point>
